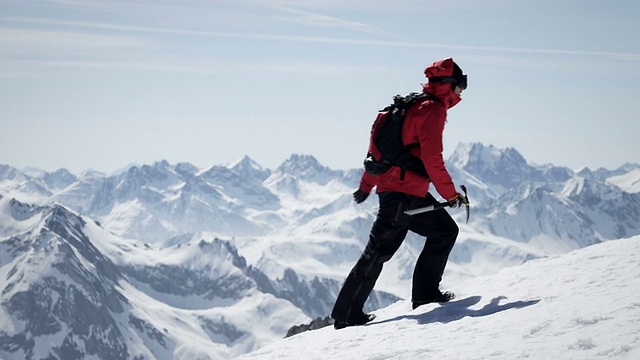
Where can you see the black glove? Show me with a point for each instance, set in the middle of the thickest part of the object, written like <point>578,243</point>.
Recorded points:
<point>360,196</point>
<point>458,201</point>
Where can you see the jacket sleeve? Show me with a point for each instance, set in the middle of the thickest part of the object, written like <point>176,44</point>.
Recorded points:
<point>430,131</point>
<point>368,181</point>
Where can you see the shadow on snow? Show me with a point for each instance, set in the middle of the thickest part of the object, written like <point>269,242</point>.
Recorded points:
<point>456,310</point>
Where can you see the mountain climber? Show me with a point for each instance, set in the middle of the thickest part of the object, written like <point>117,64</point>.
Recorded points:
<point>399,190</point>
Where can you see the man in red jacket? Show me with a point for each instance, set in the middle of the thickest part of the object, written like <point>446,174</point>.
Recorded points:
<point>401,190</point>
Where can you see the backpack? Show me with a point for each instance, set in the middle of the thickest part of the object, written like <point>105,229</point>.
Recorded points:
<point>385,144</point>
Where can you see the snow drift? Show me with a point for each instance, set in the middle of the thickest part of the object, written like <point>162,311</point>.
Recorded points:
<point>581,305</point>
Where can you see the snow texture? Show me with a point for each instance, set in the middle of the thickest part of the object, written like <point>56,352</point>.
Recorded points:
<point>581,305</point>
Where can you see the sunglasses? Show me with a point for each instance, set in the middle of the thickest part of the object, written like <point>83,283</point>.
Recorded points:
<point>460,81</point>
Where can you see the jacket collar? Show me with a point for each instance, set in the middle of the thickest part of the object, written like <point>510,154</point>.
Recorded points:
<point>443,92</point>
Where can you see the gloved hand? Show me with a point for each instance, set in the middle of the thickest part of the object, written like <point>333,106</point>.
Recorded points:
<point>458,201</point>
<point>360,196</point>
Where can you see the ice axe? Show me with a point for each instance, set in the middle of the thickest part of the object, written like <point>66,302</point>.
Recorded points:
<point>441,205</point>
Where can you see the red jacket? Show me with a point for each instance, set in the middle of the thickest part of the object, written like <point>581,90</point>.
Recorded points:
<point>424,124</point>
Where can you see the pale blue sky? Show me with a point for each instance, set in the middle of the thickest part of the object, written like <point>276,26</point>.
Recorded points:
<point>101,84</point>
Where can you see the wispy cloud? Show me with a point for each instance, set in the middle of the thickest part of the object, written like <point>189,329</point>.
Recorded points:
<point>61,67</point>
<point>325,21</point>
<point>316,39</point>
<point>56,42</point>
<point>35,51</point>
<point>370,5</point>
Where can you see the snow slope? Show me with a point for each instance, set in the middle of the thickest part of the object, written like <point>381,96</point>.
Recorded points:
<point>580,305</point>
<point>629,181</point>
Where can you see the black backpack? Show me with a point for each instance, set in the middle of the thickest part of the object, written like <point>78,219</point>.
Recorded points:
<point>385,144</point>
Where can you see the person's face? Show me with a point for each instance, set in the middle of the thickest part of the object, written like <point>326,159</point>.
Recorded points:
<point>457,90</point>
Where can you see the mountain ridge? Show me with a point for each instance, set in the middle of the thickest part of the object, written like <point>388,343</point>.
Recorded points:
<point>74,290</point>
<point>288,237</point>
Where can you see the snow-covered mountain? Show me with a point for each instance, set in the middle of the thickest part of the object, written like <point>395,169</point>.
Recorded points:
<point>630,180</point>
<point>581,305</point>
<point>159,201</point>
<point>295,232</point>
<point>65,297</point>
<point>73,290</point>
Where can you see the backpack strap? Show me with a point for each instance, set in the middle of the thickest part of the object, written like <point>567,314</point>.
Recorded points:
<point>412,162</point>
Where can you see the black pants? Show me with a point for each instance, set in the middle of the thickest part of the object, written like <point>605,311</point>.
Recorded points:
<point>388,233</point>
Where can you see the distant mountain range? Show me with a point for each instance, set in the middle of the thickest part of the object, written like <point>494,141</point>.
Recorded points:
<point>172,261</point>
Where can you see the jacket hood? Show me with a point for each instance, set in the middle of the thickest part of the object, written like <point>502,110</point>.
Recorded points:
<point>443,91</point>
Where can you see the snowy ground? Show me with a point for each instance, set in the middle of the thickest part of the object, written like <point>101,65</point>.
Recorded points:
<point>581,305</point>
